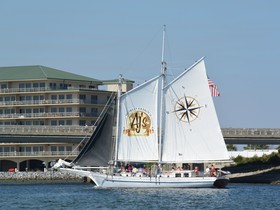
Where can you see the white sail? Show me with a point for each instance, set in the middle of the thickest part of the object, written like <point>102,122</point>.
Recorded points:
<point>138,123</point>
<point>185,115</point>
<point>191,131</point>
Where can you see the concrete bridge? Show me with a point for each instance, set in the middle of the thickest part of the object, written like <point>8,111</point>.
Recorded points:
<point>75,134</point>
<point>251,135</point>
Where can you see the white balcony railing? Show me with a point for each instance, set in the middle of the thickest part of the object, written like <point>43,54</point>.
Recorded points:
<point>39,154</point>
<point>45,130</point>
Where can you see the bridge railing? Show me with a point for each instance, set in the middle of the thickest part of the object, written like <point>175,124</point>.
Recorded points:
<point>251,132</point>
<point>85,130</point>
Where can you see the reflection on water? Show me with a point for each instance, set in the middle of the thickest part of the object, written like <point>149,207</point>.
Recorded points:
<point>81,196</point>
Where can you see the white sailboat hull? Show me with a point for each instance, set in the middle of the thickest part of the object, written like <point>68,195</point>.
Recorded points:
<point>109,181</point>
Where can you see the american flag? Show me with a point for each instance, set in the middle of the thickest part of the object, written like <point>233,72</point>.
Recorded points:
<point>213,88</point>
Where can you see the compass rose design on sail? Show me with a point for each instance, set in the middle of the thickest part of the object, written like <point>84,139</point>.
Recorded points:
<point>187,109</point>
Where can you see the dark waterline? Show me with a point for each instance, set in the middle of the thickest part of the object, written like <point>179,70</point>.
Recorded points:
<point>83,196</point>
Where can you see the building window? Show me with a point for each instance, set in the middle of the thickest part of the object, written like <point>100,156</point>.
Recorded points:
<point>82,97</point>
<point>68,109</point>
<point>21,85</point>
<point>36,123</point>
<point>94,99</point>
<point>61,97</point>
<point>94,112</point>
<point>61,148</point>
<point>82,110</point>
<point>28,98</point>
<point>36,98</point>
<point>69,148</point>
<point>63,86</point>
<point>82,122</point>
<point>61,109</point>
<point>4,86</point>
<point>53,148</point>
<point>38,149</point>
<point>61,122</point>
<point>7,111</point>
<point>68,122</point>
<point>53,86</point>
<point>53,109</point>
<point>54,97</point>
<point>53,122</point>
<point>69,96</point>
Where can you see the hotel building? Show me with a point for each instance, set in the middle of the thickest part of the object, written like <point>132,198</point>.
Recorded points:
<point>46,113</point>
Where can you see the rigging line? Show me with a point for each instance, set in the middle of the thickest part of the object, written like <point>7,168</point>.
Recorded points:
<point>103,110</point>
<point>94,125</point>
<point>128,69</point>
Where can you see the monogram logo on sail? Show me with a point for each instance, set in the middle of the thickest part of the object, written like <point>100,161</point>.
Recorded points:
<point>187,109</point>
<point>138,123</point>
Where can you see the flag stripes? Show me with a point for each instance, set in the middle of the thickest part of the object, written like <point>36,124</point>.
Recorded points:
<point>213,88</point>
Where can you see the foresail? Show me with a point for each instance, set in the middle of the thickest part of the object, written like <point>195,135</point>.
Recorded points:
<point>138,123</point>
<point>191,131</point>
<point>98,151</point>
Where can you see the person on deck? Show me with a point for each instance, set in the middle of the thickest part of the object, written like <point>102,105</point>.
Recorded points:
<point>196,171</point>
<point>213,171</point>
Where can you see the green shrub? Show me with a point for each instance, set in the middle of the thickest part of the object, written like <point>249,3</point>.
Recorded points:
<point>273,158</point>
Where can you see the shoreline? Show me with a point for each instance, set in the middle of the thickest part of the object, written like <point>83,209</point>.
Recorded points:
<point>50,176</point>
<point>265,176</point>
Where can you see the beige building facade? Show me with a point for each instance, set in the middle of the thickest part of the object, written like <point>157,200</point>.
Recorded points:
<point>45,113</point>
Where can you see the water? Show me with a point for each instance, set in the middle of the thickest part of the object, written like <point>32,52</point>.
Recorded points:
<point>83,196</point>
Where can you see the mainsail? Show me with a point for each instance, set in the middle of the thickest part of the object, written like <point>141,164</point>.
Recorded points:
<point>138,123</point>
<point>98,150</point>
<point>191,131</point>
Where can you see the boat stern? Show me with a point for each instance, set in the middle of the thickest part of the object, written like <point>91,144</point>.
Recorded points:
<point>221,182</point>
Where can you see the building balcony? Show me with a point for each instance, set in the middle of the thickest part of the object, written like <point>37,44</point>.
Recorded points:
<point>49,102</point>
<point>49,115</point>
<point>45,130</point>
<point>44,89</point>
<point>39,154</point>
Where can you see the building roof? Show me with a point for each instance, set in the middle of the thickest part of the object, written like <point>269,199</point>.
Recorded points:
<point>113,81</point>
<point>37,72</point>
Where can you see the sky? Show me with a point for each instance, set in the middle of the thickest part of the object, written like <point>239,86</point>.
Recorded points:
<point>102,39</point>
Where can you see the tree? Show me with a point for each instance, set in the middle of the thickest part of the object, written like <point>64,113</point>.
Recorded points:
<point>231,147</point>
<point>256,146</point>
